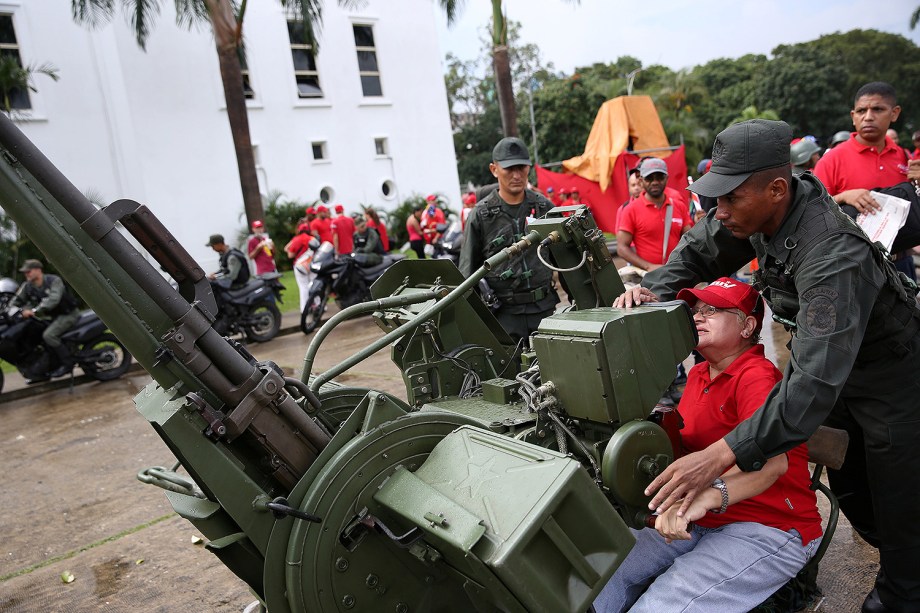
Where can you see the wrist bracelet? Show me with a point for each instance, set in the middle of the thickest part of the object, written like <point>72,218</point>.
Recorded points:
<point>723,489</point>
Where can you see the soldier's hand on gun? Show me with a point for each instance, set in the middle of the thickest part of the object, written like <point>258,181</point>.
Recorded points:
<point>634,297</point>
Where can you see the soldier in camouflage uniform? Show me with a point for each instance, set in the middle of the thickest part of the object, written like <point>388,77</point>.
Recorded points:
<point>855,351</point>
<point>523,286</point>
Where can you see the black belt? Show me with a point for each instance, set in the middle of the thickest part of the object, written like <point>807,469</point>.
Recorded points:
<point>530,297</point>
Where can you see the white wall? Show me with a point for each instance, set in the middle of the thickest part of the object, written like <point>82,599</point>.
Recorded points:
<point>152,126</point>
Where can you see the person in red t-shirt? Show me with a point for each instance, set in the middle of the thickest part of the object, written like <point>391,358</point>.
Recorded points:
<point>634,185</point>
<point>343,231</point>
<point>432,217</point>
<point>869,159</point>
<point>300,249</point>
<point>260,249</point>
<point>373,221</point>
<point>753,530</point>
<point>322,225</point>
<point>640,234</point>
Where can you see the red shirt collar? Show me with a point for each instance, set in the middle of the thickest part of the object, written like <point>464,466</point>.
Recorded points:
<point>647,202</point>
<point>861,148</point>
<point>754,353</point>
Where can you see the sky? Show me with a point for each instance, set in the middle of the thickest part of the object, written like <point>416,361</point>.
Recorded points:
<point>675,33</point>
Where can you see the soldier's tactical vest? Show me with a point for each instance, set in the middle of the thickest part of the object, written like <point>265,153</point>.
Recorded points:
<point>895,317</point>
<point>34,295</point>
<point>243,276</point>
<point>521,280</point>
<point>362,239</point>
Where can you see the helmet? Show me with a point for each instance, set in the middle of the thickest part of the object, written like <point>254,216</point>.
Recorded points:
<point>801,152</point>
<point>839,137</point>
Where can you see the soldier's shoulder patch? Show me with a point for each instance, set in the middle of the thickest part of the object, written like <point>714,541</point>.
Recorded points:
<point>821,310</point>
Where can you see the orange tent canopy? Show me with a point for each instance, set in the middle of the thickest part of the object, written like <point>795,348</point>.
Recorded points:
<point>618,121</point>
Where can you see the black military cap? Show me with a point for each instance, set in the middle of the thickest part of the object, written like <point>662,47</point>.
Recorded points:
<point>31,265</point>
<point>510,152</point>
<point>741,150</point>
<point>215,239</point>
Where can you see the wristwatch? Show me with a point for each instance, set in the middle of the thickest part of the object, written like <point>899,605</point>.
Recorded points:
<point>723,489</point>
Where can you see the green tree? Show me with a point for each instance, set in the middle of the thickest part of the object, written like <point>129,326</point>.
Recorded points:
<point>17,78</point>
<point>870,55</point>
<point>501,60</point>
<point>226,20</point>
<point>751,112</point>
<point>805,86</point>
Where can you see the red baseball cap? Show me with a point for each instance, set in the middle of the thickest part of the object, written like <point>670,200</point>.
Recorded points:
<point>311,210</point>
<point>431,198</point>
<point>339,208</point>
<point>304,227</point>
<point>728,293</point>
<point>258,224</point>
<point>322,209</point>
<point>563,191</point>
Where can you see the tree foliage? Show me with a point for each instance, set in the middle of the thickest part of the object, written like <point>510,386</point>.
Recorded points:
<point>810,85</point>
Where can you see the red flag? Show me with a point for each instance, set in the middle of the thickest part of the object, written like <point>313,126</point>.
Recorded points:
<point>603,205</point>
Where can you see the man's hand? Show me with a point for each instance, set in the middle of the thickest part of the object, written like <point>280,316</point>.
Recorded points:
<point>674,527</point>
<point>913,170</point>
<point>27,313</point>
<point>212,276</point>
<point>634,297</point>
<point>683,480</point>
<point>652,267</point>
<point>860,199</point>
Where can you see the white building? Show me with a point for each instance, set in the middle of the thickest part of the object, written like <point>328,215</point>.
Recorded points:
<point>365,121</point>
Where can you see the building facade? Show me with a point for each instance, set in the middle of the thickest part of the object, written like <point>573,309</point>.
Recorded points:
<point>361,120</point>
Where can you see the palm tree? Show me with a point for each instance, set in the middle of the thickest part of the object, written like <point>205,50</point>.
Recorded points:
<point>17,78</point>
<point>501,61</point>
<point>227,25</point>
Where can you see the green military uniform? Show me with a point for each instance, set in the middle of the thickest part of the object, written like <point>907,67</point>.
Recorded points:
<point>50,300</point>
<point>368,248</point>
<point>854,364</point>
<point>523,285</point>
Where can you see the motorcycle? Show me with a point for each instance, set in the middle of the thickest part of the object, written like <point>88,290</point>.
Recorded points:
<point>252,309</point>
<point>98,352</point>
<point>342,275</point>
<point>447,245</point>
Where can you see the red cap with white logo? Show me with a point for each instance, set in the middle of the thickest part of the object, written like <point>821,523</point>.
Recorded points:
<point>726,293</point>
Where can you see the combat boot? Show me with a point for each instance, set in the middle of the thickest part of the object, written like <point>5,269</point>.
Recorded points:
<point>66,359</point>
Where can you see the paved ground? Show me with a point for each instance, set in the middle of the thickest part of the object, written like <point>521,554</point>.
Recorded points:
<point>71,502</point>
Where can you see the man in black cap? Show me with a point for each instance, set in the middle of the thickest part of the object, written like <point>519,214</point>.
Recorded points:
<point>523,286</point>
<point>855,351</point>
<point>234,269</point>
<point>46,296</point>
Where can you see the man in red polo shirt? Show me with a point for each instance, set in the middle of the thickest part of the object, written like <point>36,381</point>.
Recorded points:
<point>322,225</point>
<point>869,159</point>
<point>641,231</point>
<point>343,231</point>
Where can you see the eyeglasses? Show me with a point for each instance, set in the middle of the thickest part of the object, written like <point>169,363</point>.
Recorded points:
<point>708,311</point>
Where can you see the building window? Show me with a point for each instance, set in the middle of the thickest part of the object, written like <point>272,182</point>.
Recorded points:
<point>244,69</point>
<point>367,61</point>
<point>9,48</point>
<point>327,194</point>
<point>381,145</point>
<point>388,189</point>
<point>319,150</point>
<point>305,74</point>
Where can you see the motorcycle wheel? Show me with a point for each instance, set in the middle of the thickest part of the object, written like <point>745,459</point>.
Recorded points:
<point>313,312</point>
<point>104,358</point>
<point>263,323</point>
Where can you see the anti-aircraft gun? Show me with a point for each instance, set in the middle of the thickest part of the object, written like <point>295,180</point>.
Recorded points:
<point>503,481</point>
